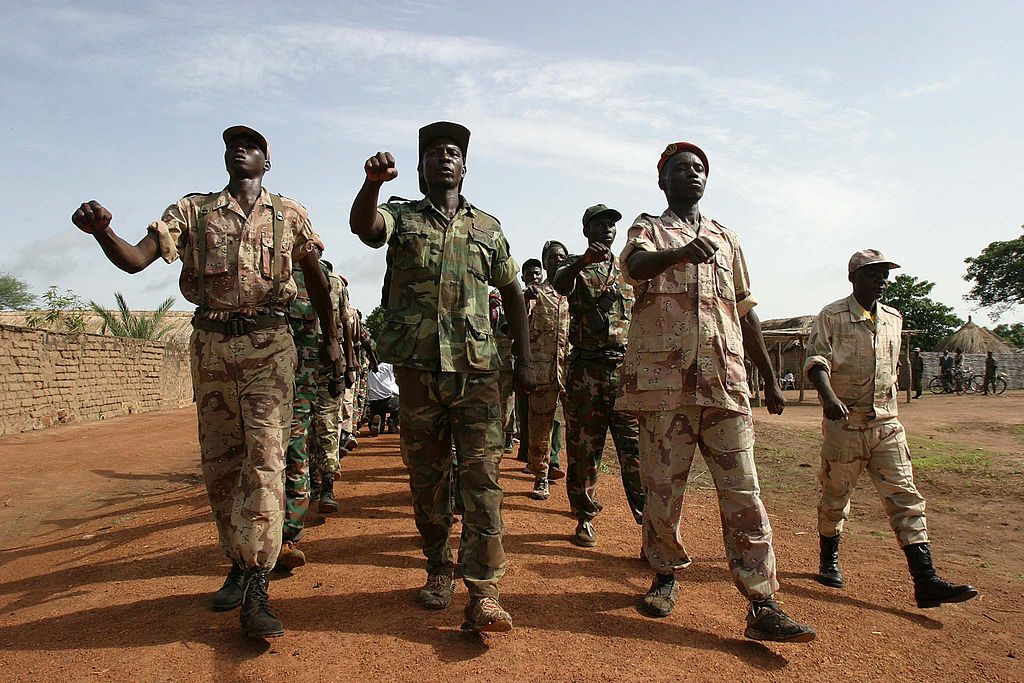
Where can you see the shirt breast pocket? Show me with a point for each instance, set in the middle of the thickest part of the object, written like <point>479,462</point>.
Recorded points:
<point>724,284</point>
<point>217,258</point>
<point>480,256</point>
<point>412,248</point>
<point>267,258</point>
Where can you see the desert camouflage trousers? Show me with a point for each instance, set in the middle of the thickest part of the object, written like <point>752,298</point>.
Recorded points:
<point>543,432</point>
<point>349,418</point>
<point>436,408</point>
<point>323,451</point>
<point>846,449</point>
<point>590,414</point>
<point>244,403</point>
<point>296,478</point>
<point>726,439</point>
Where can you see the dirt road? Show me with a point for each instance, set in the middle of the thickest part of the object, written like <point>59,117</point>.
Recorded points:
<point>109,558</point>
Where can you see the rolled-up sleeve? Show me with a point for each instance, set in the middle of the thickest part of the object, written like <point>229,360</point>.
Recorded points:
<point>819,344</point>
<point>504,268</point>
<point>302,231</point>
<point>745,300</point>
<point>171,231</point>
<point>639,238</point>
<point>390,213</point>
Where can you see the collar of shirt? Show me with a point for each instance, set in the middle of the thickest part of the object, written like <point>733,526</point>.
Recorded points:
<point>464,207</point>
<point>857,312</point>
<point>670,220</point>
<point>225,200</point>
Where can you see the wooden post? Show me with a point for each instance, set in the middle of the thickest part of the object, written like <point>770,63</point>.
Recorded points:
<point>778,359</point>
<point>803,362</point>
<point>755,378</point>
<point>910,368</point>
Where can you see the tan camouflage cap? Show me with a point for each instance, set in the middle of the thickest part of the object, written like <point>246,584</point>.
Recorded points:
<point>868,257</point>
<point>231,131</point>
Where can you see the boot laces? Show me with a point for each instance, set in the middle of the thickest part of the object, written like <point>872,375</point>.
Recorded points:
<point>438,582</point>
<point>256,595</point>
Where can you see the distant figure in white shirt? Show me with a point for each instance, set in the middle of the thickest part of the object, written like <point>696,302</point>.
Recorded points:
<point>383,392</point>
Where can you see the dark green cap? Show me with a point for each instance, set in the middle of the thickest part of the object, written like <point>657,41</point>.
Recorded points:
<point>597,210</point>
<point>458,133</point>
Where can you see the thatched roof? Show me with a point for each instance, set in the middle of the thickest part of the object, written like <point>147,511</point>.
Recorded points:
<point>972,338</point>
<point>179,323</point>
<point>801,324</point>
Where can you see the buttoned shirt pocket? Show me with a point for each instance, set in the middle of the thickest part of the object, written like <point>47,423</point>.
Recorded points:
<point>412,247</point>
<point>267,258</point>
<point>218,259</point>
<point>481,349</point>
<point>481,250</point>
<point>724,283</point>
<point>400,334</point>
<point>660,363</point>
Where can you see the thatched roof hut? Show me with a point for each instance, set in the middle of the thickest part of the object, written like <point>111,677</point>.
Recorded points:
<point>972,338</point>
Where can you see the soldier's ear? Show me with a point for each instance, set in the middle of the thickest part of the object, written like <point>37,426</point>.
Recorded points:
<point>266,165</point>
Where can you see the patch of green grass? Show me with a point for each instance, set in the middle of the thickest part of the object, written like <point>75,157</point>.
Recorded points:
<point>877,533</point>
<point>945,456</point>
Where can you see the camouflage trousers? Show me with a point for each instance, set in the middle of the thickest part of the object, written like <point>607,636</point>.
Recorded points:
<point>507,399</point>
<point>846,449</point>
<point>543,432</point>
<point>726,439</point>
<point>349,419</point>
<point>436,408</point>
<point>243,391</point>
<point>296,476</point>
<point>323,452</point>
<point>589,415</point>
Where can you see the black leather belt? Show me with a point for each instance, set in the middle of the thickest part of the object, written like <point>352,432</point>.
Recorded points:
<point>236,326</point>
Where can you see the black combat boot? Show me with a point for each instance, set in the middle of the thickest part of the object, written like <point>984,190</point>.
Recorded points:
<point>255,616</point>
<point>230,594</point>
<point>828,562</point>
<point>929,589</point>
<point>328,504</point>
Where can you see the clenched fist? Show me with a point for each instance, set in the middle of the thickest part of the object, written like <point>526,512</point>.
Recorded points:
<point>595,253</point>
<point>91,218</point>
<point>699,250</point>
<point>380,168</point>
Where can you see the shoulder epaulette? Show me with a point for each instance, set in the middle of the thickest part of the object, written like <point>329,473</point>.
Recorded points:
<point>396,198</point>
<point>199,194</point>
<point>481,211</point>
<point>890,309</point>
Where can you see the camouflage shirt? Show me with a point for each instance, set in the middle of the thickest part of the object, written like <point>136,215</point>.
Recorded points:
<point>549,336</point>
<point>860,353</point>
<point>600,303</point>
<point>502,336</point>
<point>436,313</point>
<point>686,344</point>
<point>239,274</point>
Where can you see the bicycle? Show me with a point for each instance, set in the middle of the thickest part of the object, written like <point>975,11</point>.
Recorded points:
<point>998,384</point>
<point>961,382</point>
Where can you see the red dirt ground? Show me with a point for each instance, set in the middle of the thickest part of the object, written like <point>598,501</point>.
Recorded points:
<point>109,557</point>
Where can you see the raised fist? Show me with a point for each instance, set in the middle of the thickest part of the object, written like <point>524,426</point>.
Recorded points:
<point>380,168</point>
<point>595,253</point>
<point>91,218</point>
<point>699,250</point>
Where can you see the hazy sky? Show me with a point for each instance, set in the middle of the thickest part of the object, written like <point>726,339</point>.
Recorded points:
<point>830,127</point>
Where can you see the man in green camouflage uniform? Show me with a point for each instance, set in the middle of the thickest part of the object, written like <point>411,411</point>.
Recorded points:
<point>237,247</point>
<point>323,451</point>
<point>599,308</point>
<point>684,377</point>
<point>506,396</point>
<point>443,254</point>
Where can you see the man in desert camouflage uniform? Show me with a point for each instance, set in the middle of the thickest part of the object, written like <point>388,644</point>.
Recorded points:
<point>237,247</point>
<point>443,254</point>
<point>549,345</point>
<point>506,396</point>
<point>853,354</point>
<point>323,455</point>
<point>685,379</point>
<point>599,308</point>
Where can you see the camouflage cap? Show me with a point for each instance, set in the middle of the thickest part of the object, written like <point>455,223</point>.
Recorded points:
<point>233,131</point>
<point>677,147</point>
<point>868,257</point>
<point>598,209</point>
<point>456,132</point>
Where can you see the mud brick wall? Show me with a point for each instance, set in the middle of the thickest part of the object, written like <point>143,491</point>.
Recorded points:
<point>1010,364</point>
<point>49,378</point>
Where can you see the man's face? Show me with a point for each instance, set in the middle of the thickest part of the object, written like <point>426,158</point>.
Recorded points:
<point>869,282</point>
<point>601,228</point>
<point>532,275</point>
<point>244,157</point>
<point>442,164</point>
<point>553,259</point>
<point>683,178</point>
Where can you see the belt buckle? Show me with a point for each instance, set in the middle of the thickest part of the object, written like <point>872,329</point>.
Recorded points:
<point>236,327</point>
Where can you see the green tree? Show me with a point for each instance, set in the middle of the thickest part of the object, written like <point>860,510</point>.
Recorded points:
<point>998,275</point>
<point>374,322</point>
<point>62,312</point>
<point>1014,334</point>
<point>14,293</point>
<point>124,323</point>
<point>935,320</point>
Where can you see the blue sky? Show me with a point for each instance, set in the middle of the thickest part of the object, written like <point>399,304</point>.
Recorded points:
<point>830,127</point>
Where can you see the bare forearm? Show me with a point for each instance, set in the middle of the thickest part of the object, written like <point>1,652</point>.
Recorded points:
<point>753,345</point>
<point>364,219</point>
<point>515,314</point>
<point>645,265</point>
<point>131,258</point>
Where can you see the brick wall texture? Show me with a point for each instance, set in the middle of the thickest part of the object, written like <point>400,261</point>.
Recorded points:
<point>48,378</point>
